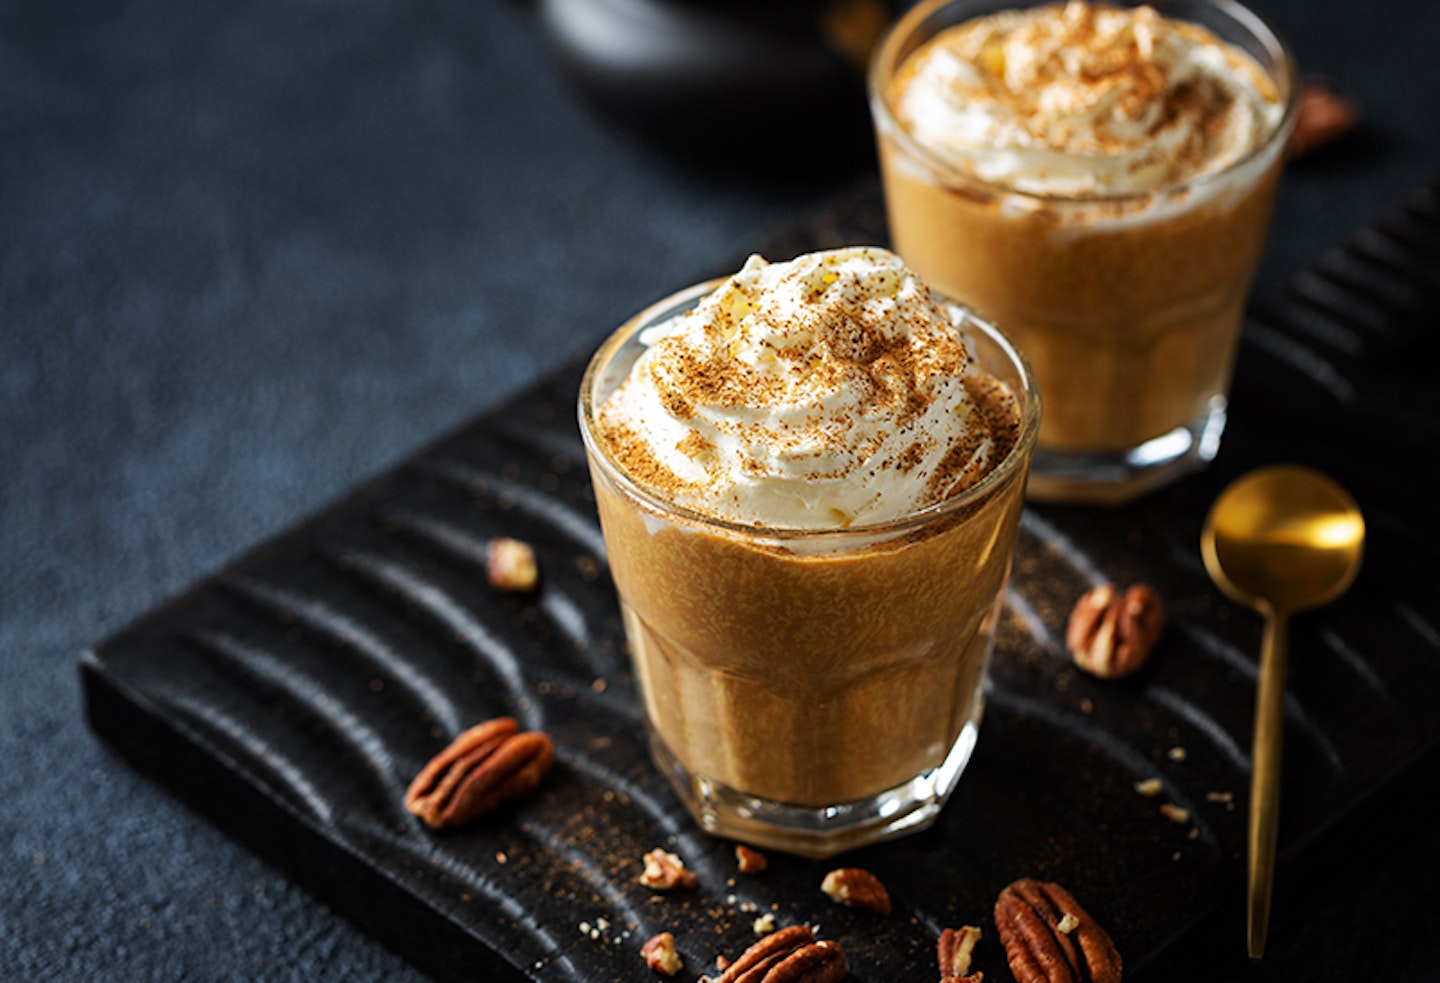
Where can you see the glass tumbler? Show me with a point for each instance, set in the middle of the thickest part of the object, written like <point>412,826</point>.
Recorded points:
<point>809,690</point>
<point>1128,306</point>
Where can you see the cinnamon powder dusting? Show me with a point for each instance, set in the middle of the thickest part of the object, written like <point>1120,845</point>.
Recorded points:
<point>1166,98</point>
<point>819,401</point>
<point>632,452</point>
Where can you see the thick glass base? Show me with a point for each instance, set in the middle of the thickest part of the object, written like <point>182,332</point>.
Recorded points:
<point>1116,477</point>
<point>817,832</point>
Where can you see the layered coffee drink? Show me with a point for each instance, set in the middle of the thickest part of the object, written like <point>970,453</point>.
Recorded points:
<point>809,478</point>
<point>1099,181</point>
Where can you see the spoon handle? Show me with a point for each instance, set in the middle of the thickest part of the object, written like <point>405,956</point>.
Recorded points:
<point>1265,781</point>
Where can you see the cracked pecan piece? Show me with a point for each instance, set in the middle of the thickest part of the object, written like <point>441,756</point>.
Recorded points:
<point>510,564</point>
<point>1049,938</point>
<point>1111,634</point>
<point>748,860</point>
<point>485,766</point>
<point>660,955</point>
<point>953,950</point>
<point>791,955</point>
<point>856,887</point>
<point>665,871</point>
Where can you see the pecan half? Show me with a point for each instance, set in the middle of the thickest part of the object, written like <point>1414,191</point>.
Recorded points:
<point>856,887</point>
<point>1322,116</point>
<point>791,955</point>
<point>660,955</point>
<point>954,950</point>
<point>1112,634</point>
<point>1049,938</point>
<point>485,766</point>
<point>664,871</point>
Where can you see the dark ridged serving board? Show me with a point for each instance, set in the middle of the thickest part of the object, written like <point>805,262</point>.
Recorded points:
<point>292,695</point>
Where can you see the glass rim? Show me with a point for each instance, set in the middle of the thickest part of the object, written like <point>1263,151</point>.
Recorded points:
<point>886,62</point>
<point>682,300</point>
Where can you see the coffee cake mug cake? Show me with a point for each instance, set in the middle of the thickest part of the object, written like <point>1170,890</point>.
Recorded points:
<point>809,477</point>
<point>1098,179</point>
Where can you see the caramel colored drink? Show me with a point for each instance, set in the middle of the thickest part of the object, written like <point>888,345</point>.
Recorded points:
<point>1098,180</point>
<point>809,478</point>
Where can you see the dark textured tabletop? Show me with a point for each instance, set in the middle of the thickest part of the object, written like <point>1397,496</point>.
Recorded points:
<point>252,253</point>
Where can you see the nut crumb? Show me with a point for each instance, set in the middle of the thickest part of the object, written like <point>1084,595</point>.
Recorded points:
<point>750,861</point>
<point>1149,788</point>
<point>510,565</point>
<point>764,925</point>
<point>1178,754</point>
<point>664,871</point>
<point>1225,798</point>
<point>856,887</point>
<point>660,955</point>
<point>1174,813</point>
<point>1067,924</point>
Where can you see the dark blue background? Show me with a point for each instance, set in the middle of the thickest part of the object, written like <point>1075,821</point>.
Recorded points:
<point>252,252</point>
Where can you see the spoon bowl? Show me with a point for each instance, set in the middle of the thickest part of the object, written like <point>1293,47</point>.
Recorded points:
<point>1280,539</point>
<point>1284,538</point>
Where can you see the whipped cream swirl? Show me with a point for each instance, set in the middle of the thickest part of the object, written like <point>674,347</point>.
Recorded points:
<point>1085,100</point>
<point>824,392</point>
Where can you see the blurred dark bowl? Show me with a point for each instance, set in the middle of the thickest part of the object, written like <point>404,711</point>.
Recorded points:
<point>749,82</point>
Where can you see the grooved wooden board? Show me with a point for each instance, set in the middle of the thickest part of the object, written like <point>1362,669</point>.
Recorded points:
<point>292,695</point>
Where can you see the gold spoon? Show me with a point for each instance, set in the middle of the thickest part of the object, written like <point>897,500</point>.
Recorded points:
<point>1280,539</point>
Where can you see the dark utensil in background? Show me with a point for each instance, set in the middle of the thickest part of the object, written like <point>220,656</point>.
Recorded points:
<point>746,82</point>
